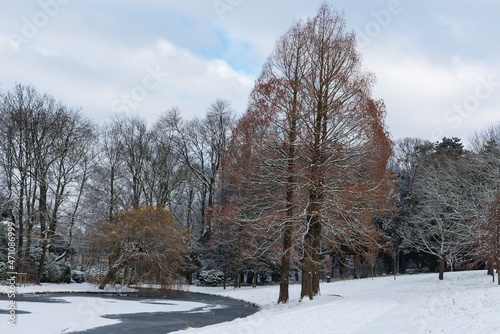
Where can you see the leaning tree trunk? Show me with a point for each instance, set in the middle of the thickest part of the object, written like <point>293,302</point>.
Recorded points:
<point>112,271</point>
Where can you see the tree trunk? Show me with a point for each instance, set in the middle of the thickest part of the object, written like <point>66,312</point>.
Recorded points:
<point>310,275</point>
<point>42,202</point>
<point>307,268</point>
<point>112,193</point>
<point>255,275</point>
<point>441,268</point>
<point>491,269</point>
<point>189,206</point>
<point>112,271</point>
<point>107,278</point>
<point>204,230</point>
<point>20,218</point>
<point>42,261</point>
<point>236,279</point>
<point>287,239</point>
<point>402,265</point>
<point>208,221</point>
<point>285,266</point>
<point>316,263</point>
<point>397,263</point>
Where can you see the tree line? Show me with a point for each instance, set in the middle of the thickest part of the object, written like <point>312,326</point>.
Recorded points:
<point>448,200</point>
<point>61,174</point>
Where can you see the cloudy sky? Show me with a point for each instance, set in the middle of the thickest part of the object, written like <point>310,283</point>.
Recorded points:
<point>437,61</point>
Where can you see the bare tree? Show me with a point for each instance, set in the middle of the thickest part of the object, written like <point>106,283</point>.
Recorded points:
<point>441,224</point>
<point>201,142</point>
<point>406,162</point>
<point>45,166</point>
<point>308,158</point>
<point>486,166</point>
<point>111,168</point>
<point>343,134</point>
<point>18,109</point>
<point>165,172</point>
<point>136,142</point>
<point>279,95</point>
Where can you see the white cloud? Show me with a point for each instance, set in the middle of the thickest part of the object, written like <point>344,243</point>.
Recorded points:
<point>431,100</point>
<point>91,53</point>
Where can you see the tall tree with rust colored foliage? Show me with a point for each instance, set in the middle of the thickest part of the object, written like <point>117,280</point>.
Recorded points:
<point>307,161</point>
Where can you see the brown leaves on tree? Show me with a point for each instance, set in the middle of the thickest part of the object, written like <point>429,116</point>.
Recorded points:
<point>145,244</point>
<point>306,168</point>
<point>487,238</point>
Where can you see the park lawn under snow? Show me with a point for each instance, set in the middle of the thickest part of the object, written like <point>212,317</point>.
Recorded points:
<point>465,302</point>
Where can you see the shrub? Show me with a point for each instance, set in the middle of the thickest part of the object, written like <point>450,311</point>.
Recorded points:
<point>210,278</point>
<point>412,271</point>
<point>65,272</point>
<point>53,272</point>
<point>78,276</point>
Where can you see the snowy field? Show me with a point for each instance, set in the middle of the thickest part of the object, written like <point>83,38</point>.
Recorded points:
<point>465,302</point>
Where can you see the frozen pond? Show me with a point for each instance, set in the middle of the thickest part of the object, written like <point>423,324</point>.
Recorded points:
<point>133,313</point>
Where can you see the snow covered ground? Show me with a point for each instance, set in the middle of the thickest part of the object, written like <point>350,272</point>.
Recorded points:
<point>465,302</point>
<point>78,313</point>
